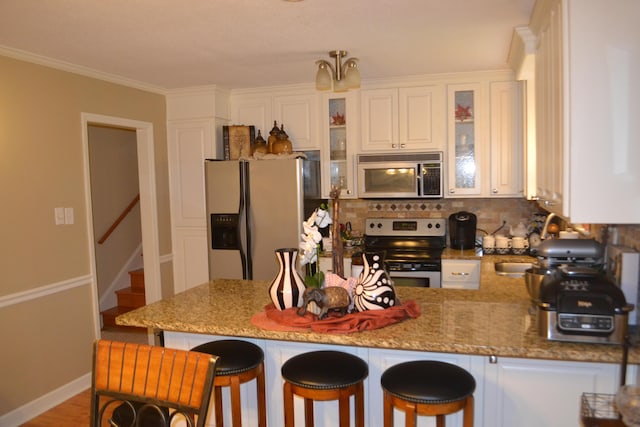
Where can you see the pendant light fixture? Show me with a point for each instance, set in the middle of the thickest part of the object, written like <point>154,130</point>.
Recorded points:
<point>342,76</point>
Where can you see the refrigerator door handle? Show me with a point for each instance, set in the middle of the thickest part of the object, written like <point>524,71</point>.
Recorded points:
<point>244,209</point>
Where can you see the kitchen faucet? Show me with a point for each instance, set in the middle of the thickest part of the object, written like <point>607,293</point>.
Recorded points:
<point>544,234</point>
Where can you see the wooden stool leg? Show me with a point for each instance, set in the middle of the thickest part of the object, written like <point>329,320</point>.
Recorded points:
<point>359,398</point>
<point>262,403</point>
<point>440,421</point>
<point>388,410</point>
<point>468,413</point>
<point>308,412</point>
<point>344,408</point>
<point>218,405</point>
<point>288,405</point>
<point>236,409</point>
<point>411,415</point>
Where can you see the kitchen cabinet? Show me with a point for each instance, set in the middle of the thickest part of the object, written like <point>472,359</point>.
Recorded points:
<point>509,391</point>
<point>326,264</point>
<point>406,118</point>
<point>194,129</point>
<point>587,57</point>
<point>340,130</point>
<point>460,274</point>
<point>485,139</point>
<point>297,110</point>
<point>467,138</point>
<point>532,393</point>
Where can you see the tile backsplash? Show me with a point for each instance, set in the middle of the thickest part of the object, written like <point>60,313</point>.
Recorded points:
<point>490,213</point>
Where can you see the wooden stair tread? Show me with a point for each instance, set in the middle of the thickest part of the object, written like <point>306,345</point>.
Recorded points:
<point>136,278</point>
<point>109,318</point>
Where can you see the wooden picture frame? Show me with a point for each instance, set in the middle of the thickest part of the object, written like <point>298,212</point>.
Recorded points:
<point>237,141</point>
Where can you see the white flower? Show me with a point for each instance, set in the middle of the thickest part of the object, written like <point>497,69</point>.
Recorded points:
<point>322,217</point>
<point>311,236</point>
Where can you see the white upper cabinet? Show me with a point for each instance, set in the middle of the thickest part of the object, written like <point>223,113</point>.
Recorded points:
<point>408,118</point>
<point>587,92</point>
<point>339,121</point>
<point>506,140</point>
<point>467,139</point>
<point>297,111</point>
<point>484,139</point>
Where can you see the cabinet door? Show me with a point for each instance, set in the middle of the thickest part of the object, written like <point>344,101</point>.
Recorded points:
<point>299,115</point>
<point>464,110</point>
<point>550,112</point>
<point>460,274</point>
<point>506,140</point>
<point>253,111</point>
<point>339,122</point>
<point>189,143</point>
<point>379,119</point>
<point>533,393</point>
<point>422,118</point>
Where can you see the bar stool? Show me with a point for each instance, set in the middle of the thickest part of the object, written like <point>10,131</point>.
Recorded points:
<point>427,387</point>
<point>324,375</point>
<point>238,362</point>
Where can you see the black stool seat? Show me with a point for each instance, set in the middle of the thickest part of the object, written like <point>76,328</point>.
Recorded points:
<point>324,370</point>
<point>428,381</point>
<point>234,356</point>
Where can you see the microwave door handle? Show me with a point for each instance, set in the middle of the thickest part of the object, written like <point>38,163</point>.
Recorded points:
<point>419,179</point>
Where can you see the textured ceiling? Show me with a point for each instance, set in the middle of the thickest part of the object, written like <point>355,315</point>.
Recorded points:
<point>248,43</point>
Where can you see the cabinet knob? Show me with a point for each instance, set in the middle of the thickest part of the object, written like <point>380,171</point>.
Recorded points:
<point>451,190</point>
<point>348,191</point>
<point>493,359</point>
<point>494,190</point>
<point>393,146</point>
<point>403,145</point>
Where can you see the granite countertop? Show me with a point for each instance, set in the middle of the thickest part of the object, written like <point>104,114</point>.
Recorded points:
<point>494,320</point>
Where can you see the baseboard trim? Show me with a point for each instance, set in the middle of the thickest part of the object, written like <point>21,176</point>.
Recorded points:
<point>42,404</point>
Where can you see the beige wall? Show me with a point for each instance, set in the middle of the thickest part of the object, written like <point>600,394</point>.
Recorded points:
<point>46,340</point>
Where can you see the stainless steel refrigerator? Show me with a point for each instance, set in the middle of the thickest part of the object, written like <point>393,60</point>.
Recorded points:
<point>255,207</point>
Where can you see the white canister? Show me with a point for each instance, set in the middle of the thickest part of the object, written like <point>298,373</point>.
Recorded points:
<point>519,245</point>
<point>488,244</point>
<point>503,244</point>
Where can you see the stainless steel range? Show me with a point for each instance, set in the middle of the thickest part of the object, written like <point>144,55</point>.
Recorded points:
<point>413,248</point>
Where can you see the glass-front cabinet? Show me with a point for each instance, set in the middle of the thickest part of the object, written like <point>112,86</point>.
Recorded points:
<point>340,124</point>
<point>465,140</point>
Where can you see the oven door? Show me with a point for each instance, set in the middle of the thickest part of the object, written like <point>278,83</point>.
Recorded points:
<point>423,279</point>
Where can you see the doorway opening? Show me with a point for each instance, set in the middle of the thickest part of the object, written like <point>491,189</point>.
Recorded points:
<point>120,178</point>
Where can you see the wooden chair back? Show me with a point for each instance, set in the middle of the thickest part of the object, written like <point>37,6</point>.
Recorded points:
<point>137,385</point>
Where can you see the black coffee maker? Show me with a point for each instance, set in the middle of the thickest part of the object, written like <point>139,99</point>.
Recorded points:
<point>462,230</point>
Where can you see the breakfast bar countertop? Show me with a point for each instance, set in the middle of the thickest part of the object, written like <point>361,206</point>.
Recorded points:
<point>494,320</point>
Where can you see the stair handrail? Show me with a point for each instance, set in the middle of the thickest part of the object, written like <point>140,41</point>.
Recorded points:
<point>118,220</point>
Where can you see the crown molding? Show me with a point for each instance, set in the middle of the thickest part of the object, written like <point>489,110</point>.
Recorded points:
<point>78,69</point>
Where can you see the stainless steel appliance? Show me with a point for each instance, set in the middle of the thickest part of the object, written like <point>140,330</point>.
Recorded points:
<point>416,175</point>
<point>578,303</point>
<point>462,230</point>
<point>254,207</point>
<point>413,248</point>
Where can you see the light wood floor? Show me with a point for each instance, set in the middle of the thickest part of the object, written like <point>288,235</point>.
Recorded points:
<point>75,412</point>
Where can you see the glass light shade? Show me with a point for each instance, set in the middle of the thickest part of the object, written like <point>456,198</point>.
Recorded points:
<point>352,77</point>
<point>340,86</point>
<point>323,78</point>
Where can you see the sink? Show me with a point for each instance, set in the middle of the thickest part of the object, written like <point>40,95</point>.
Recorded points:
<point>512,269</point>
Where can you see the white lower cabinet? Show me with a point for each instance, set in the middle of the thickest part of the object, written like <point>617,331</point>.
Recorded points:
<point>509,392</point>
<point>534,393</point>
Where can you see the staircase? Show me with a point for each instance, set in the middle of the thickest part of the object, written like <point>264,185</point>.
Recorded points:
<point>128,299</point>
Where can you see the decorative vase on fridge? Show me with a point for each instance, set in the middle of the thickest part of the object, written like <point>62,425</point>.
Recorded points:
<point>288,286</point>
<point>374,289</point>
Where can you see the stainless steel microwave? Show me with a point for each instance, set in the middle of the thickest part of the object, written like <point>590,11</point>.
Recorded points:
<point>406,175</point>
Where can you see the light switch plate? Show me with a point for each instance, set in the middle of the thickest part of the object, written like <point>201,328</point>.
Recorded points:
<point>68,216</point>
<point>59,215</point>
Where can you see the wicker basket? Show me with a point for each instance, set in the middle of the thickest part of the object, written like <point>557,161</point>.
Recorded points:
<point>598,410</point>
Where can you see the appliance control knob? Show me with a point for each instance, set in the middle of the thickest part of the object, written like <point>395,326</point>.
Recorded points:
<point>379,225</point>
<point>438,225</point>
<point>429,225</point>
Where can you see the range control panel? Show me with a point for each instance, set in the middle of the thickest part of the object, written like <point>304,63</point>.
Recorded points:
<point>405,227</point>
